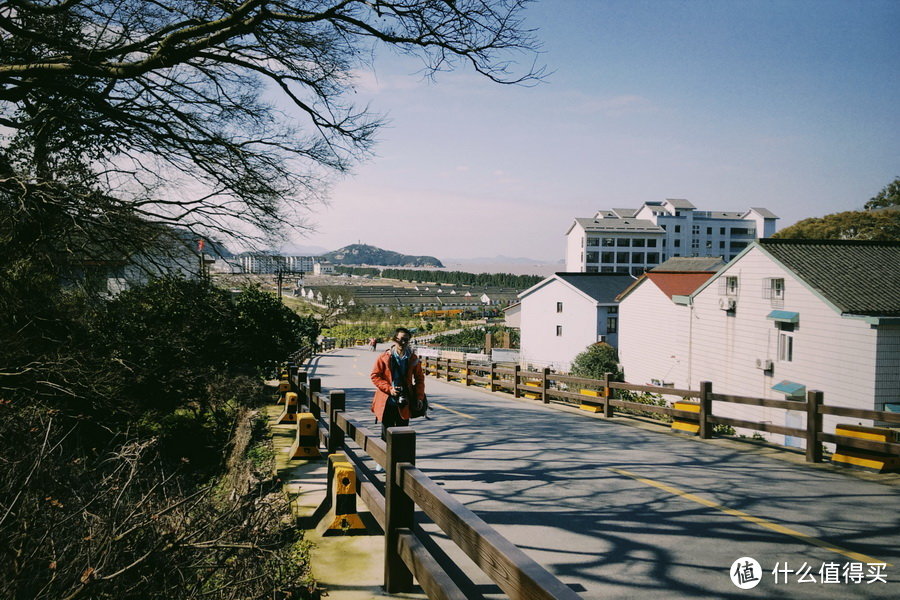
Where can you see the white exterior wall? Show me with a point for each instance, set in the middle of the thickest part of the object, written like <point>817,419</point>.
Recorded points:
<point>653,332</point>
<point>539,342</point>
<point>833,354</point>
<point>575,248</point>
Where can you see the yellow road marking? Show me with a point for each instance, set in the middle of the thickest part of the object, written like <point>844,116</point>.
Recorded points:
<point>747,517</point>
<point>456,412</point>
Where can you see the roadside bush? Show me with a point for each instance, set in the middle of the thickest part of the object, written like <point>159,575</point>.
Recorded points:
<point>597,360</point>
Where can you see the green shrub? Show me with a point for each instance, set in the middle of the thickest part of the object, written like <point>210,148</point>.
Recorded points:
<point>597,360</point>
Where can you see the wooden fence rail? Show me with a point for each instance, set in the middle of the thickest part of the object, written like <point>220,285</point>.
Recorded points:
<point>601,394</point>
<point>406,487</point>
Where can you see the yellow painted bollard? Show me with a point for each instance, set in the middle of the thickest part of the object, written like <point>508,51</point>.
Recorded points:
<point>587,404</point>
<point>681,425</point>
<point>343,518</point>
<point>289,414</point>
<point>867,460</point>
<point>306,443</point>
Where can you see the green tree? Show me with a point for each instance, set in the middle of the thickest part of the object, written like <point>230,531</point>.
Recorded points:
<point>597,360</point>
<point>850,225</point>
<point>889,196</point>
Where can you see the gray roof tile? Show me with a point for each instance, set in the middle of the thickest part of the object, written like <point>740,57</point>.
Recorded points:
<point>602,287</point>
<point>859,277</point>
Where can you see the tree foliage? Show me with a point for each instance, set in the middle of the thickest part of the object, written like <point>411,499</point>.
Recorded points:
<point>850,225</point>
<point>869,224</point>
<point>597,360</point>
<point>506,280</point>
<point>158,110</point>
<point>888,196</point>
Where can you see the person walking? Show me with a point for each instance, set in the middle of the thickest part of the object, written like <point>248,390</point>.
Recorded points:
<point>373,342</point>
<point>399,380</point>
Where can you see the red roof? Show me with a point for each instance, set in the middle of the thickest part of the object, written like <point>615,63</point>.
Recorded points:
<point>678,284</point>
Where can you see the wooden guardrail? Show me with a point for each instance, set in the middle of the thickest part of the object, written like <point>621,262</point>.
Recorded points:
<point>407,487</point>
<point>547,387</point>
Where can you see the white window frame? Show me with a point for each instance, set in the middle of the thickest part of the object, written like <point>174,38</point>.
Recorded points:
<point>785,346</point>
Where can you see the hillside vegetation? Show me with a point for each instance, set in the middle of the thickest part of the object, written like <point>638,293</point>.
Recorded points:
<point>123,476</point>
<point>363,254</point>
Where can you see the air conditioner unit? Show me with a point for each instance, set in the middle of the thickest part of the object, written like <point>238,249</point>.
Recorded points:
<point>765,364</point>
<point>727,303</point>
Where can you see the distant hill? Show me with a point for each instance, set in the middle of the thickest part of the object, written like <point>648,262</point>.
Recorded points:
<point>363,254</point>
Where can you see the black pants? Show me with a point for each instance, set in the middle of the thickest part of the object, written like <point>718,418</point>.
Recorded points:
<point>391,417</point>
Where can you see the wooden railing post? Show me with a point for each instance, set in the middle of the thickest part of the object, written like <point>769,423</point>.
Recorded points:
<point>315,386</point>
<point>705,410</point>
<point>337,404</point>
<point>399,508</point>
<point>517,370</point>
<point>299,382</point>
<point>544,373</point>
<point>607,396</point>
<point>492,375</point>
<point>813,426</point>
<point>468,380</point>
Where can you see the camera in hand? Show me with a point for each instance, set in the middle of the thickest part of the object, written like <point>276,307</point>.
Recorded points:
<point>402,398</point>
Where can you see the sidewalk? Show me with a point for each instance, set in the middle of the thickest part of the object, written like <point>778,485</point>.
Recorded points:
<point>346,567</point>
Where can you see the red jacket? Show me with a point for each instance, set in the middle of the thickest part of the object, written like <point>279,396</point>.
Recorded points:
<point>381,377</point>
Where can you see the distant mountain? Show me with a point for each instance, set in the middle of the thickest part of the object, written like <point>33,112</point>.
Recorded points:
<point>500,259</point>
<point>363,254</point>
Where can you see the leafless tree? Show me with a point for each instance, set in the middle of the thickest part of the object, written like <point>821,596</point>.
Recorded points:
<point>157,109</point>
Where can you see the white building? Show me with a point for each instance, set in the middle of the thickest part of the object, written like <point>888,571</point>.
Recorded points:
<point>655,308</point>
<point>268,263</point>
<point>625,240</point>
<point>323,268</point>
<point>783,318</point>
<point>564,314</point>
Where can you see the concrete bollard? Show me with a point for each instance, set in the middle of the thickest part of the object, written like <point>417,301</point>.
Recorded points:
<point>343,518</point>
<point>306,444</point>
<point>289,414</point>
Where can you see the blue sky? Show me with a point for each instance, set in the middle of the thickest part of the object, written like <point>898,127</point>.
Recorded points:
<point>788,105</point>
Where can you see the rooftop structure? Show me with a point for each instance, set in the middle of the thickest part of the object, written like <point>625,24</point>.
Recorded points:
<point>631,241</point>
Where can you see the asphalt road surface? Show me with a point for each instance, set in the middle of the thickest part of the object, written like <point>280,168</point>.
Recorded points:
<point>620,511</point>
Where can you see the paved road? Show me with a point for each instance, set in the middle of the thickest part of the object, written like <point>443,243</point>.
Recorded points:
<point>619,511</point>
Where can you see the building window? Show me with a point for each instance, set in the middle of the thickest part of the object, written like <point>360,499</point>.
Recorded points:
<point>609,241</point>
<point>721,231</point>
<point>709,231</point>
<point>612,310</point>
<point>559,307</point>
<point>678,229</point>
<point>721,245</point>
<point>592,257</point>
<point>637,257</point>
<point>593,242</point>
<point>695,244</point>
<point>651,243</point>
<point>653,257</point>
<point>677,243</point>
<point>607,257</point>
<point>558,330</point>
<point>786,346</point>
<point>728,286</point>
<point>623,242</point>
<point>773,289</point>
<point>695,230</point>
<point>592,269</point>
<point>622,257</point>
<point>739,231</point>
<point>612,324</point>
<point>638,242</point>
